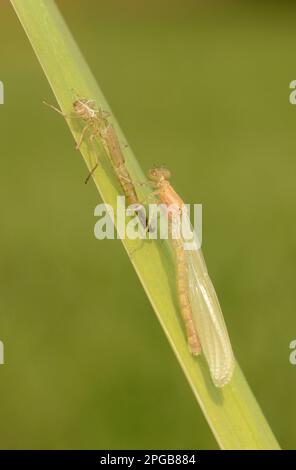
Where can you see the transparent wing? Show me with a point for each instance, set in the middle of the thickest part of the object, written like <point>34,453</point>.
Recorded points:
<point>208,319</point>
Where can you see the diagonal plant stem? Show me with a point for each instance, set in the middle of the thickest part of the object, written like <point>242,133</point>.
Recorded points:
<point>232,412</point>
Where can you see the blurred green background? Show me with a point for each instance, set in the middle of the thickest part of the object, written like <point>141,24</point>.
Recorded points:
<point>203,89</point>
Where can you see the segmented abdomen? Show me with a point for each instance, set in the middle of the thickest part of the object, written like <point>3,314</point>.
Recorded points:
<point>183,296</point>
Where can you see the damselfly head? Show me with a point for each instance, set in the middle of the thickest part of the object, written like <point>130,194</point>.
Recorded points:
<point>85,108</point>
<point>159,174</point>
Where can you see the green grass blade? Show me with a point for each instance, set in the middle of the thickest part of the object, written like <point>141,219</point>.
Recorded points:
<point>232,413</point>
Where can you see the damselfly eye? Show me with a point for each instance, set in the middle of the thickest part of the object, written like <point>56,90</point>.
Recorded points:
<point>153,174</point>
<point>166,173</point>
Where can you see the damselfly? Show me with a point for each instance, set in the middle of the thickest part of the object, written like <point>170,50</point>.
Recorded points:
<point>98,126</point>
<point>199,305</point>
